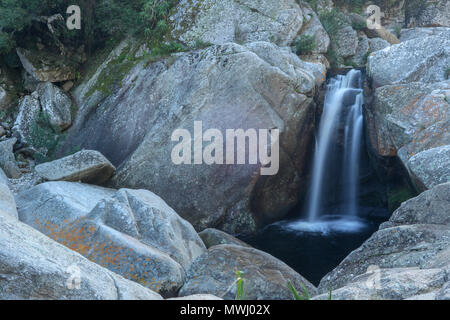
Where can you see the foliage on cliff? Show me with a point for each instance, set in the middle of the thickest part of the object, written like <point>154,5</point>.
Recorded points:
<point>101,20</point>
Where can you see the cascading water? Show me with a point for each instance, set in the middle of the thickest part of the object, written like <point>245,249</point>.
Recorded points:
<point>343,103</point>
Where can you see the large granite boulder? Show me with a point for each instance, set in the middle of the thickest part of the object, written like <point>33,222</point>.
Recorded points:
<point>29,112</point>
<point>419,245</point>
<point>219,22</point>
<point>131,232</point>
<point>423,59</point>
<point>430,207</point>
<point>265,277</point>
<point>39,127</point>
<point>87,166</point>
<point>413,33</point>
<point>390,284</point>
<point>430,167</point>
<point>434,14</point>
<point>417,236</point>
<point>7,202</point>
<point>345,42</point>
<point>33,266</point>
<point>53,204</point>
<point>231,86</point>
<point>408,119</point>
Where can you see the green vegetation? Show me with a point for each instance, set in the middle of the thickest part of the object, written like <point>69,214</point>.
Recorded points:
<point>200,44</point>
<point>102,20</point>
<point>398,30</point>
<point>44,138</point>
<point>297,296</point>
<point>398,195</point>
<point>240,295</point>
<point>332,21</point>
<point>305,44</point>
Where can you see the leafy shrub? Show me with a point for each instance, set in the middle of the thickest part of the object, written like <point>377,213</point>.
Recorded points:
<point>44,138</point>
<point>101,20</point>
<point>305,44</point>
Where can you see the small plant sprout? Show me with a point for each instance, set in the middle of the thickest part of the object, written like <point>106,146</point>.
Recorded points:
<point>240,285</point>
<point>297,296</point>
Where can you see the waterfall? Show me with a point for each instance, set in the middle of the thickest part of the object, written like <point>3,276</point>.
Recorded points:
<point>340,91</point>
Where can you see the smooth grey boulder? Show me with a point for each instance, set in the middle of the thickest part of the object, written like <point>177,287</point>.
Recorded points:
<point>56,105</point>
<point>7,202</point>
<point>146,217</point>
<point>87,166</point>
<point>33,266</point>
<point>413,33</point>
<point>265,277</point>
<point>430,167</point>
<point>421,59</point>
<point>7,159</point>
<point>131,232</point>
<point>359,58</point>
<point>212,237</point>
<point>418,245</point>
<point>50,205</point>
<point>390,284</point>
<point>430,207</point>
<point>231,86</point>
<point>219,22</point>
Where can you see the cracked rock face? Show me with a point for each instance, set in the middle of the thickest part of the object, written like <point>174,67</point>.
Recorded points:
<point>219,22</point>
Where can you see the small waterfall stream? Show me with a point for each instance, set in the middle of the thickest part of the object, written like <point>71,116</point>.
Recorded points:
<point>339,91</point>
<point>337,216</point>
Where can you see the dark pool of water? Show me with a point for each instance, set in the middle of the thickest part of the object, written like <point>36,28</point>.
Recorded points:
<point>315,249</point>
